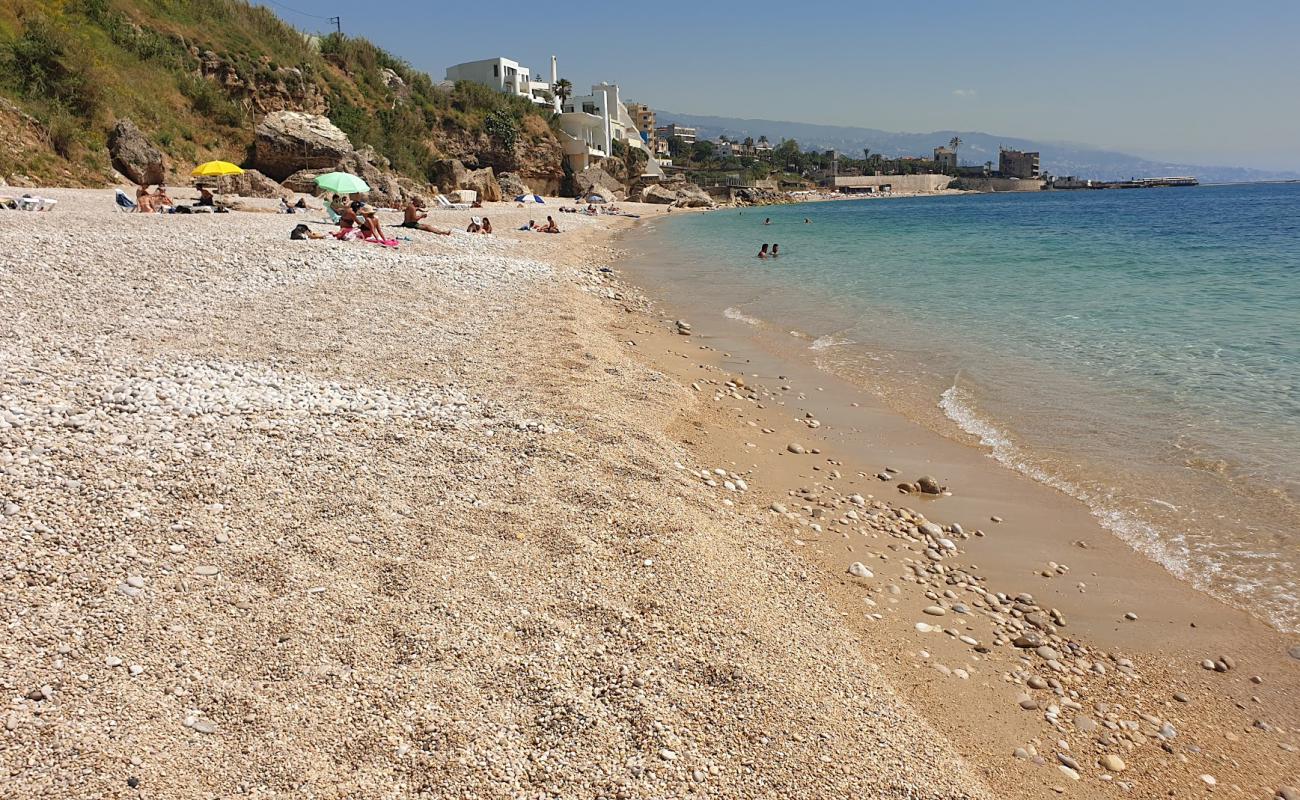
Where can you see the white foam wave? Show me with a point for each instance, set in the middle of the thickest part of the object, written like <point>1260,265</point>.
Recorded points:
<point>828,341</point>
<point>1168,550</point>
<point>732,312</point>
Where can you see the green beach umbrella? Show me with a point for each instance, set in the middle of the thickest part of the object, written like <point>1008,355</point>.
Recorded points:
<point>342,183</point>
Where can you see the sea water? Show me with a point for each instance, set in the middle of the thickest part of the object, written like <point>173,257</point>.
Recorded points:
<point>1137,349</point>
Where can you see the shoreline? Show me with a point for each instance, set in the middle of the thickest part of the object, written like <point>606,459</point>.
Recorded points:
<point>1177,626</point>
<point>437,520</point>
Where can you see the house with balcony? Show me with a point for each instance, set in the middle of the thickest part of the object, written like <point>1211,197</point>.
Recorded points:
<point>509,77</point>
<point>591,124</point>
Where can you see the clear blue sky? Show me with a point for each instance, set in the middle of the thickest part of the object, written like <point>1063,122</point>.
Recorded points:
<point>1199,81</point>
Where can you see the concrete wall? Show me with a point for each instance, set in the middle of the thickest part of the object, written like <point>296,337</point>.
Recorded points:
<point>1001,185</point>
<point>899,183</point>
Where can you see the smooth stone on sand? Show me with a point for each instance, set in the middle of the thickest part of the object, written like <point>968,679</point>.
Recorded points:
<point>796,448</point>
<point>204,726</point>
<point>1067,772</point>
<point>1047,654</point>
<point>1112,762</point>
<point>935,611</point>
<point>1027,703</point>
<point>1288,793</point>
<point>859,570</point>
<point>1035,682</point>
<point>206,570</point>
<point>1294,652</point>
<point>1209,780</point>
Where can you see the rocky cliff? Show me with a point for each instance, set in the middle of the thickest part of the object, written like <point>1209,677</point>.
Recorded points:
<point>216,72</point>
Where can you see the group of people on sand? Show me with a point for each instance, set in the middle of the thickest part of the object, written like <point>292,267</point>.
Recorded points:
<point>549,227</point>
<point>158,201</point>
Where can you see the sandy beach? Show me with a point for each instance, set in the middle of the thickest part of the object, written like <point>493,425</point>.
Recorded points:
<point>475,517</point>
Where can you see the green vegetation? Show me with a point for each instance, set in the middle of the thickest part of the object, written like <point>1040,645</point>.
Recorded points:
<point>786,162</point>
<point>195,76</point>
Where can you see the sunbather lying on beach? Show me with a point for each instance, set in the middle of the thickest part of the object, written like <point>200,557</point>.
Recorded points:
<point>414,213</point>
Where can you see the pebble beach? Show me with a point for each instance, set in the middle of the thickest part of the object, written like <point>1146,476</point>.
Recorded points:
<point>475,517</point>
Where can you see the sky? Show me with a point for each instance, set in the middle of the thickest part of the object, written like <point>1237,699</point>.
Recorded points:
<point>1192,81</point>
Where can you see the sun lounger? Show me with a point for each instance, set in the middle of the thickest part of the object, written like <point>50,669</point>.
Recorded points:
<point>447,205</point>
<point>30,203</point>
<point>121,202</point>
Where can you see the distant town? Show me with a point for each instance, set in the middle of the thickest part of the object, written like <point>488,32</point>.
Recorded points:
<point>601,125</point>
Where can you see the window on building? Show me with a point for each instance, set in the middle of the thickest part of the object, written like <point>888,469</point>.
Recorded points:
<point>496,70</point>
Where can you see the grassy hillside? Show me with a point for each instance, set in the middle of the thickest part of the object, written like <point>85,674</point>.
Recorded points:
<point>195,75</point>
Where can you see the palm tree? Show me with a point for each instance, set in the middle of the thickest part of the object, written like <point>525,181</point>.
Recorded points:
<point>954,143</point>
<point>563,90</point>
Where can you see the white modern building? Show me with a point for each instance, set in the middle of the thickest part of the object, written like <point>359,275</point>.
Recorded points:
<point>510,77</point>
<point>592,123</point>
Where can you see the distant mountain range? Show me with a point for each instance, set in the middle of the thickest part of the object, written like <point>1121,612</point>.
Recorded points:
<point>1058,158</point>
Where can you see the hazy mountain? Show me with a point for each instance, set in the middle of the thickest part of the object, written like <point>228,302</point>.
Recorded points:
<point>1058,158</point>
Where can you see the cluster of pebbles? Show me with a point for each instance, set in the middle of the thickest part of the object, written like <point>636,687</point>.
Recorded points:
<point>1100,715</point>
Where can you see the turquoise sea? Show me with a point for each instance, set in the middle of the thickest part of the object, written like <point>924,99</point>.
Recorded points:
<point>1137,349</point>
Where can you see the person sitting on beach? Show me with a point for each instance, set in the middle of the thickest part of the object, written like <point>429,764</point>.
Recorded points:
<point>531,226</point>
<point>413,213</point>
<point>144,202</point>
<point>162,201</point>
<point>550,226</point>
<point>774,250</point>
<point>369,223</point>
<point>487,226</point>
<point>338,204</point>
<point>348,220</point>
<point>475,225</point>
<point>302,203</point>
<point>762,251</point>
<point>205,197</point>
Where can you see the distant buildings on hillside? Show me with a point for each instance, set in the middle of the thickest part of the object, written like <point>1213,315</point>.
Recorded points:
<point>673,130</point>
<point>590,125</point>
<point>510,77</point>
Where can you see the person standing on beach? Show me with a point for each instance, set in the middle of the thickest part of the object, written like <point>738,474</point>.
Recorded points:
<point>762,251</point>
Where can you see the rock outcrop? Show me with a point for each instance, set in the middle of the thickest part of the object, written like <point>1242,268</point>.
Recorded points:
<point>692,196</point>
<point>251,184</point>
<point>512,185</point>
<point>134,156</point>
<point>267,90</point>
<point>289,141</point>
<point>451,174</point>
<point>684,195</point>
<point>658,194</point>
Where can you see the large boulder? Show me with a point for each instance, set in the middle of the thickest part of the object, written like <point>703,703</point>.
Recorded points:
<point>484,182</point>
<point>692,196</point>
<point>449,174</point>
<point>592,179</point>
<point>289,141</point>
<point>134,156</point>
<point>251,184</point>
<point>658,194</point>
<point>512,185</point>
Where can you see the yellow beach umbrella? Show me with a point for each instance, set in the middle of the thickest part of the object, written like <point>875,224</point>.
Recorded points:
<point>216,169</point>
